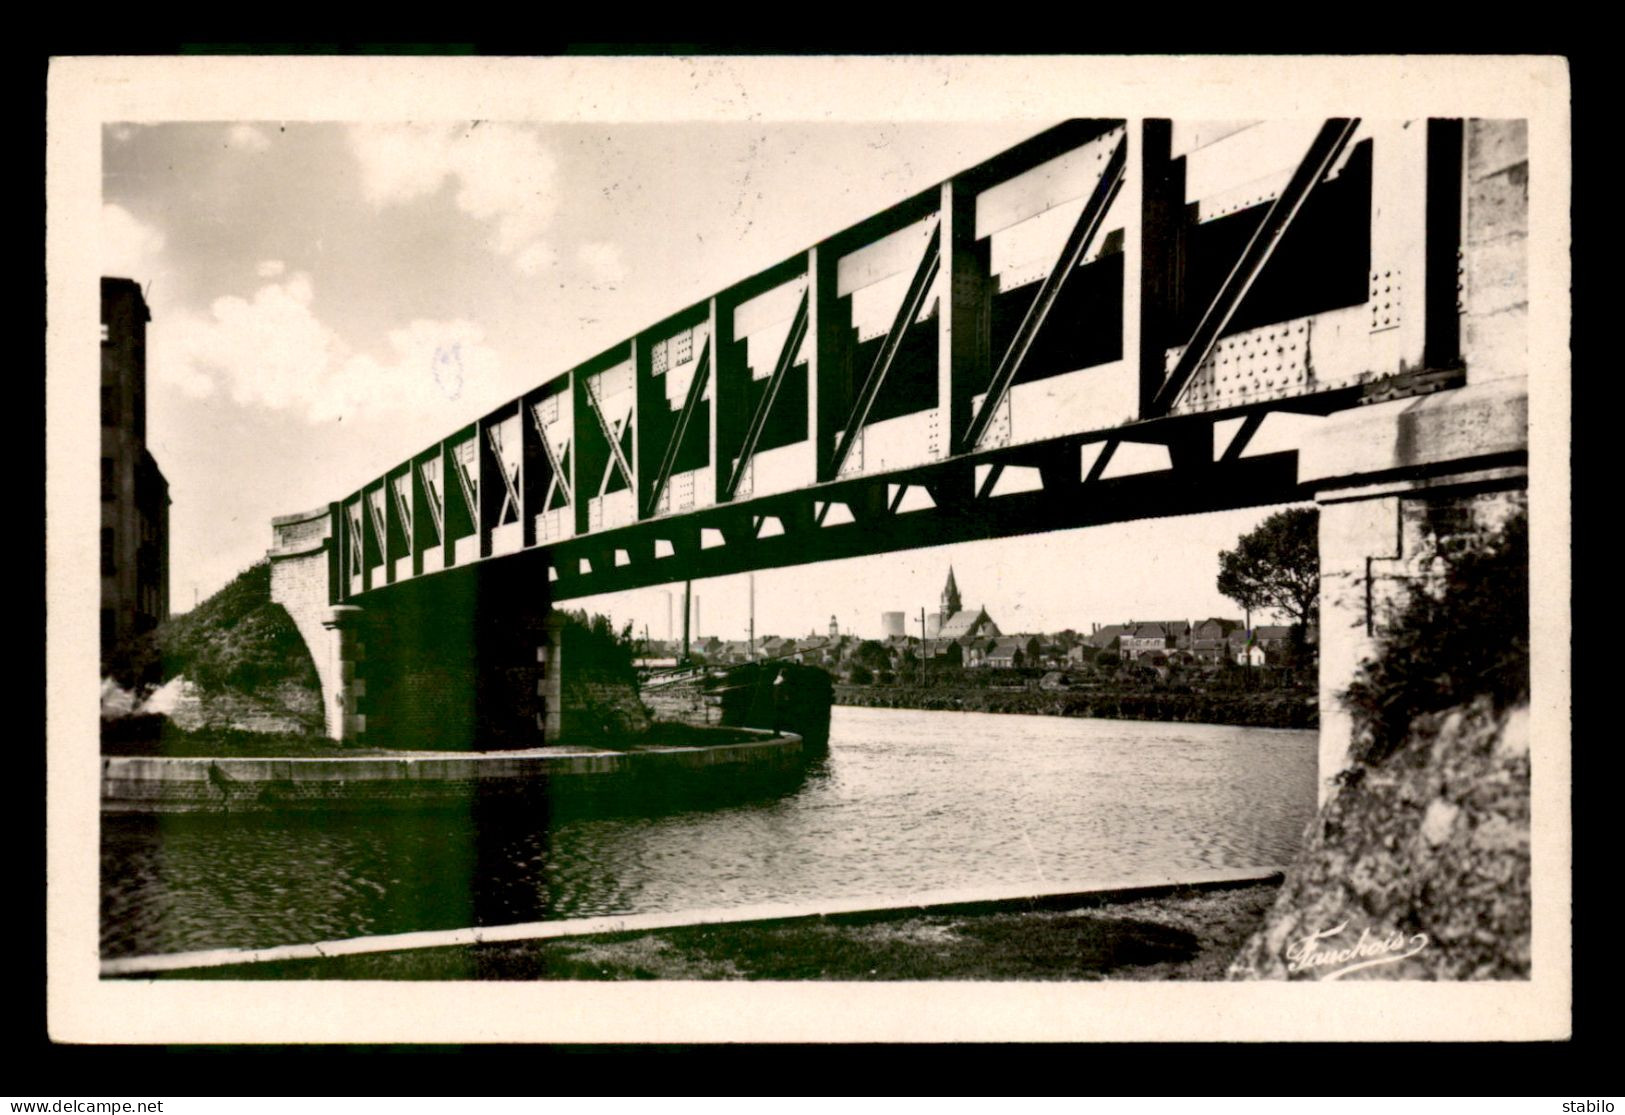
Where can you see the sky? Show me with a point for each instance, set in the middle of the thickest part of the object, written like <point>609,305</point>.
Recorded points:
<point>328,299</point>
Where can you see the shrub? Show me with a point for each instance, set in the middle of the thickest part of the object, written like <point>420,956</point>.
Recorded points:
<point>1466,636</point>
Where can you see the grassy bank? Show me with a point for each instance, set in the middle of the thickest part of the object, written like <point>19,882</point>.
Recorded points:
<point>1189,934</point>
<point>1257,709</point>
<point>244,660</point>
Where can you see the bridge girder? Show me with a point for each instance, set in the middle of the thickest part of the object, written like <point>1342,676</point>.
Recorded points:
<point>1136,280</point>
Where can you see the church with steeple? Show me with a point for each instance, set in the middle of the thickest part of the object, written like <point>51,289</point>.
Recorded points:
<point>954,621</point>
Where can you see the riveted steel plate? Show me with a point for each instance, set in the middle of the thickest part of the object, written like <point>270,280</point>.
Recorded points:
<point>1384,299</point>
<point>1270,362</point>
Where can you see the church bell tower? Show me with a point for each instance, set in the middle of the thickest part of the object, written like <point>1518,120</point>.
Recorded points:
<point>951,605</point>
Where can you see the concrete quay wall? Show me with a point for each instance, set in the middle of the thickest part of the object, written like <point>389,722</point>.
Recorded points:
<point>220,785</point>
<point>996,898</point>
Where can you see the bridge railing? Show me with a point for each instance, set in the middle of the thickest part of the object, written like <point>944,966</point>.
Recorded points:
<point>1101,278</point>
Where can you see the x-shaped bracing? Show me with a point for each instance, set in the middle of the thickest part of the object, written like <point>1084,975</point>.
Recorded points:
<point>617,455</point>
<point>1077,244</point>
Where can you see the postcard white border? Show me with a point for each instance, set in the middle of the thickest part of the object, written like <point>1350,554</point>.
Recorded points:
<point>85,93</point>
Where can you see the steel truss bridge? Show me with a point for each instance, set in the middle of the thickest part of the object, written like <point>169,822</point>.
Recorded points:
<point>977,361</point>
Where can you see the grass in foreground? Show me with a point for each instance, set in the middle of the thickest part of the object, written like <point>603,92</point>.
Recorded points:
<point>1187,935</point>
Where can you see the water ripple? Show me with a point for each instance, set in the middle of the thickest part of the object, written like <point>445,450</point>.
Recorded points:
<point>907,801</point>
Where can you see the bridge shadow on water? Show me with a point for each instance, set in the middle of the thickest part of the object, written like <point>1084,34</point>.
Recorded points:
<point>178,882</point>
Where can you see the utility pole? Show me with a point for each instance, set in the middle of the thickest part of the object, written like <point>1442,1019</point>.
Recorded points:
<point>686,586</point>
<point>751,649</point>
<point>922,648</point>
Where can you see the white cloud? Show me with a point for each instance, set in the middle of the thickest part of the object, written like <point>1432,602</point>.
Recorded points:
<point>269,268</point>
<point>602,261</point>
<point>504,177</point>
<point>536,257</point>
<point>129,246</point>
<point>273,351</point>
<point>246,137</point>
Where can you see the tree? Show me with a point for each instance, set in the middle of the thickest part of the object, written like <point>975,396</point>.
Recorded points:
<point>873,655</point>
<point>1277,565</point>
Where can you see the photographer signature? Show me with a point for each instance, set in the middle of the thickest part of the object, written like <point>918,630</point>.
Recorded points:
<point>1317,953</point>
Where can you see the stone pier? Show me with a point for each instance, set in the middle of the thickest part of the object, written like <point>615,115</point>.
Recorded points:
<point>344,711</point>
<point>1397,481</point>
<point>301,557</point>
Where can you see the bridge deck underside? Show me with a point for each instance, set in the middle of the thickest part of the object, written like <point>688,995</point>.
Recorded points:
<point>874,529</point>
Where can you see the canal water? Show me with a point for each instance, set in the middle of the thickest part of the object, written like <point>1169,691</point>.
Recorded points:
<point>906,801</point>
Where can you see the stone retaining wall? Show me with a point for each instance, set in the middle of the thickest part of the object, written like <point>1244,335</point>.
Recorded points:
<point>193,785</point>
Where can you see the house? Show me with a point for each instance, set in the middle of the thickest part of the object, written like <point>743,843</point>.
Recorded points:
<point>1210,639</point>
<point>814,651</point>
<point>1277,640</point>
<point>1263,645</point>
<point>774,647</point>
<point>1272,635</point>
<point>1006,653</point>
<point>976,651</point>
<point>1108,637</point>
<point>1164,637</point>
<point>1142,640</point>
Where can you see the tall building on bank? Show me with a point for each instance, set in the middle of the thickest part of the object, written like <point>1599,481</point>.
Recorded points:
<point>954,621</point>
<point>135,495</point>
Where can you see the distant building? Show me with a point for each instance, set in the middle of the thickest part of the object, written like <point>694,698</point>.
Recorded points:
<point>1108,637</point>
<point>734,650</point>
<point>1142,640</point>
<point>1211,638</point>
<point>1267,644</point>
<point>774,647</point>
<point>898,645</point>
<point>892,625</point>
<point>953,621</point>
<point>1005,653</point>
<point>135,495</point>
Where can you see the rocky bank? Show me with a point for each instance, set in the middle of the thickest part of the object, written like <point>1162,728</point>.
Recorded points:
<point>1428,851</point>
